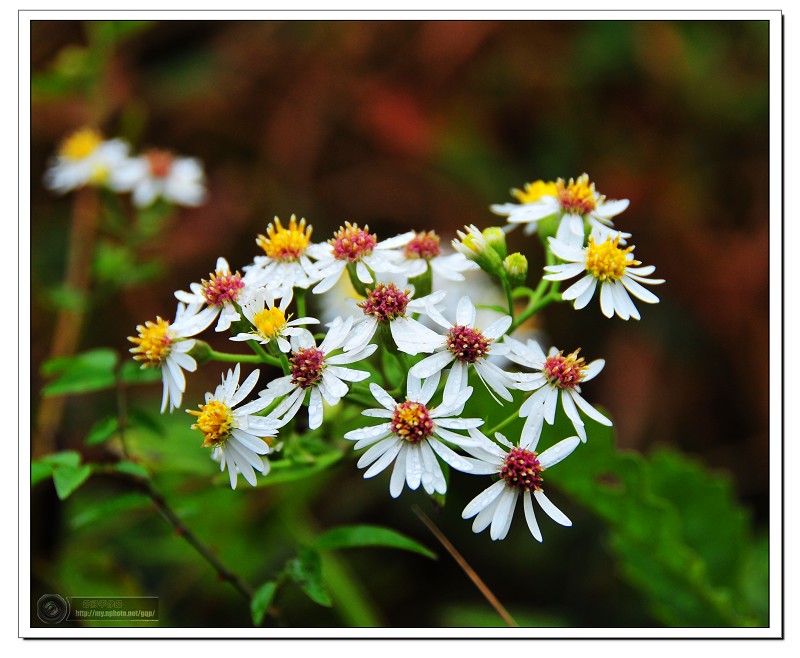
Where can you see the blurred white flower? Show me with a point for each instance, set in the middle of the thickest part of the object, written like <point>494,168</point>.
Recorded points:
<point>158,173</point>
<point>85,158</point>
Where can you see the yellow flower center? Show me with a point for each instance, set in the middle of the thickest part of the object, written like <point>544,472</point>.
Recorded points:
<point>81,144</point>
<point>154,342</point>
<point>215,421</point>
<point>535,191</point>
<point>578,196</point>
<point>285,244</point>
<point>606,260</point>
<point>269,322</point>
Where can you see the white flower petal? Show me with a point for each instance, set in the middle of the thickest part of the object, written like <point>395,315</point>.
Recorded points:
<point>559,451</point>
<point>551,510</point>
<point>530,516</point>
<point>483,499</point>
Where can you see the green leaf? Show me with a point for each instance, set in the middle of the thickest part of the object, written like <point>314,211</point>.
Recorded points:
<point>288,471</point>
<point>64,458</point>
<point>68,478</point>
<point>40,471</point>
<point>132,373</point>
<point>306,571</point>
<point>261,601</point>
<point>368,535</point>
<point>493,307</point>
<point>648,534</point>
<point>110,509</point>
<point>102,430</point>
<point>145,420</point>
<point>132,468</point>
<point>82,373</point>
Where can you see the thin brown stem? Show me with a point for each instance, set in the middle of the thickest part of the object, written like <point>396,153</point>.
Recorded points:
<point>69,322</point>
<point>473,576</point>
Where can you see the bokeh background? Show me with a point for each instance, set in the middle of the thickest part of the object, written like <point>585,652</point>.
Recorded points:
<point>409,124</point>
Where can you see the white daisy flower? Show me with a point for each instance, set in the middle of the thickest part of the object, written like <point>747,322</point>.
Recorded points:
<point>158,173</point>
<point>85,158</point>
<point>558,375</point>
<point>316,372</point>
<point>222,291</point>
<point>607,263</point>
<point>464,345</point>
<point>355,246</point>
<point>572,202</point>
<point>164,345</point>
<point>285,261</point>
<point>423,250</point>
<point>388,306</point>
<point>520,469</point>
<point>238,436</point>
<point>412,436</point>
<point>270,322</point>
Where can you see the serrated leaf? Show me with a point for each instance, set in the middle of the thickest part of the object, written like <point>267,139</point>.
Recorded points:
<point>262,599</point>
<point>108,509</point>
<point>68,478</point>
<point>102,430</point>
<point>306,571</point>
<point>646,532</point>
<point>368,535</point>
<point>83,373</point>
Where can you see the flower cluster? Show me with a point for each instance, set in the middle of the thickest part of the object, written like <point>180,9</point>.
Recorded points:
<point>85,158</point>
<point>427,364</point>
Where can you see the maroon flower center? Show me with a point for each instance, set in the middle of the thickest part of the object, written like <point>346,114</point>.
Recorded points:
<point>565,371</point>
<point>160,162</point>
<point>222,288</point>
<point>385,302</point>
<point>521,470</point>
<point>423,245</point>
<point>467,344</point>
<point>351,243</point>
<point>412,421</point>
<point>306,366</point>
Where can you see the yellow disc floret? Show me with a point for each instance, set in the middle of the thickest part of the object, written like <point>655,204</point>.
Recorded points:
<point>81,144</point>
<point>215,421</point>
<point>577,196</point>
<point>270,322</point>
<point>607,261</point>
<point>154,342</point>
<point>535,191</point>
<point>285,244</point>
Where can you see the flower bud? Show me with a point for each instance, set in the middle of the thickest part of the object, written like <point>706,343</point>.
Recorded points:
<point>516,269</point>
<point>496,238</point>
<point>474,246</point>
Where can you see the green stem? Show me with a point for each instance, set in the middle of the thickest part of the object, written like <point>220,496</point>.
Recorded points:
<point>300,298</point>
<point>266,358</point>
<point>509,296</point>
<point>240,358</point>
